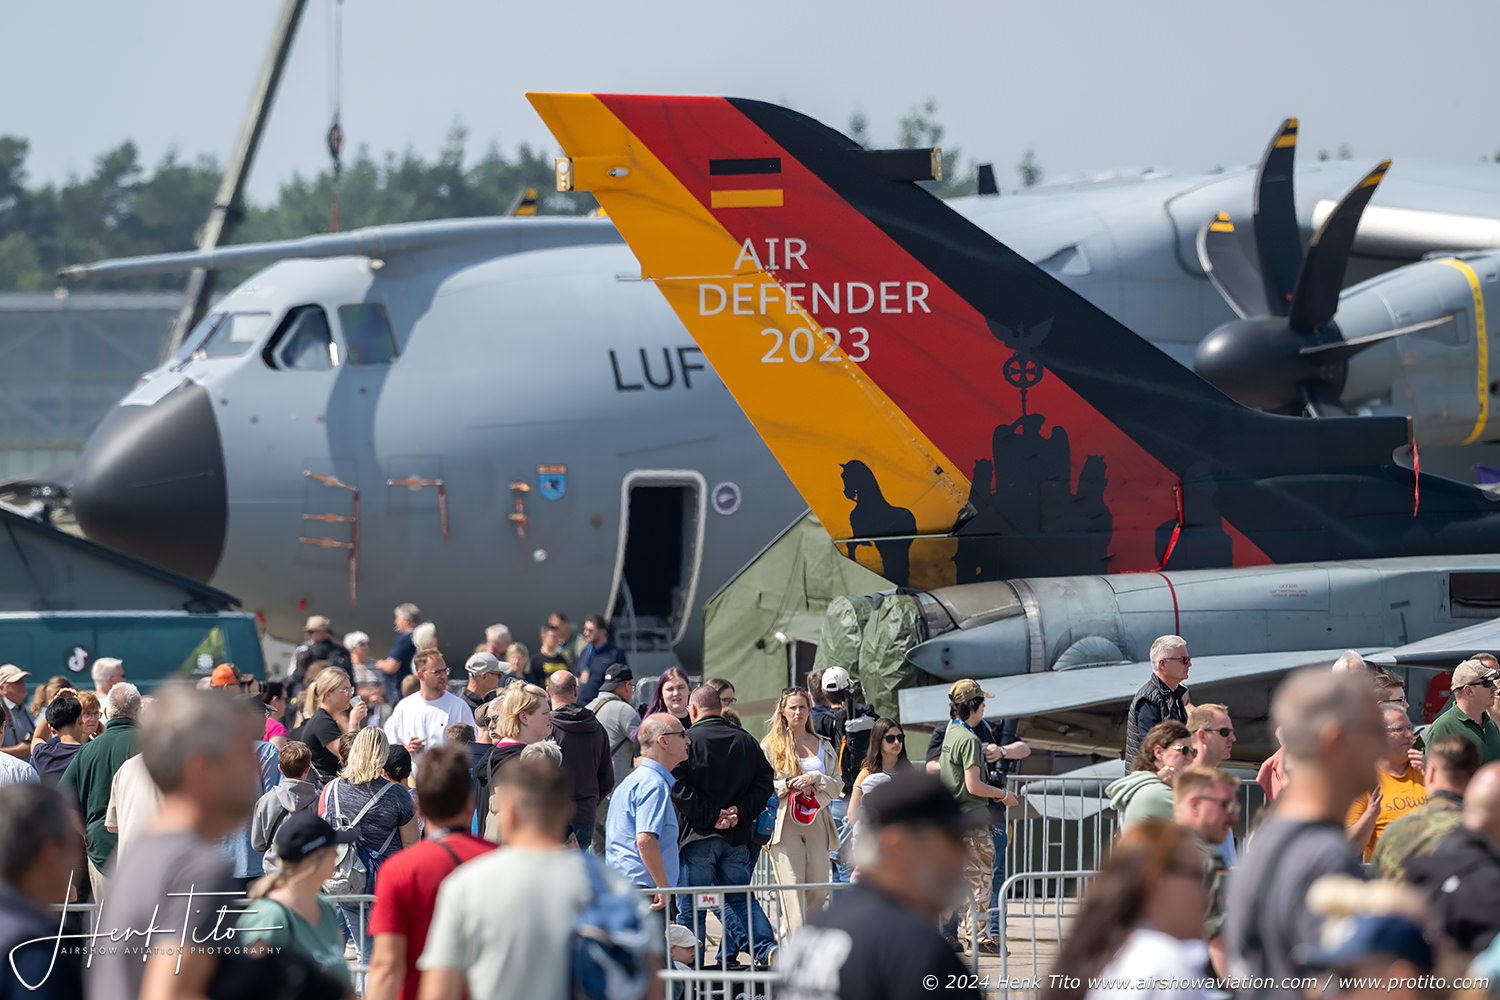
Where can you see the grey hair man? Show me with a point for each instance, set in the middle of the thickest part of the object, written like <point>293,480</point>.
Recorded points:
<point>200,752</point>
<point>1332,731</point>
<point>1164,695</point>
<point>106,672</point>
<point>39,851</point>
<point>1350,662</point>
<point>497,640</point>
<point>91,774</point>
<point>397,665</point>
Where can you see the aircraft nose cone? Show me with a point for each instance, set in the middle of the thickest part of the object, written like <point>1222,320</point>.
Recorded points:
<point>150,483</point>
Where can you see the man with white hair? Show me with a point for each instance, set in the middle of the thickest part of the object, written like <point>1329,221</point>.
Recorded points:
<point>107,671</point>
<point>1164,695</point>
<point>397,664</point>
<point>91,773</point>
<point>497,641</point>
<point>1350,662</point>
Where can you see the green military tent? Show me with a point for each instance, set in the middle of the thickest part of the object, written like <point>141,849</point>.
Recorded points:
<point>785,589</point>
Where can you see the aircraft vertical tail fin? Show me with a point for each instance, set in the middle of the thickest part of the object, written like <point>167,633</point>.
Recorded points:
<point>948,410</point>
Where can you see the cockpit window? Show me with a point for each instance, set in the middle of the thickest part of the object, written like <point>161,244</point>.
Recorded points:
<point>304,342</point>
<point>367,333</point>
<point>228,335</point>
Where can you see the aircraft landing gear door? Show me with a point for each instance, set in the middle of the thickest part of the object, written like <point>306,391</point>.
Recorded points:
<point>657,563</point>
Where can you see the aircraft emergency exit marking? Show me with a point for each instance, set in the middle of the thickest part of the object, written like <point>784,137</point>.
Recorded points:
<point>801,298</point>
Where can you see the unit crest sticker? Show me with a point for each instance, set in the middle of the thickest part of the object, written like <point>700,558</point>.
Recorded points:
<point>552,481</point>
<point>726,498</point>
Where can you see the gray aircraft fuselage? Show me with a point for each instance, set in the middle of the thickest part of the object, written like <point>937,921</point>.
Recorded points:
<point>535,350</point>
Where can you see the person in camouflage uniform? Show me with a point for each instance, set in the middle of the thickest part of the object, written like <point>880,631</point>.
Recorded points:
<point>1205,801</point>
<point>1451,762</point>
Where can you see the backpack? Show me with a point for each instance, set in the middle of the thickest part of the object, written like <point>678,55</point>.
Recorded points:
<point>608,948</point>
<point>355,864</point>
<point>854,742</point>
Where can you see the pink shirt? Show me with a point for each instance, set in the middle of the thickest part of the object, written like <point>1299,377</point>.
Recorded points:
<point>273,728</point>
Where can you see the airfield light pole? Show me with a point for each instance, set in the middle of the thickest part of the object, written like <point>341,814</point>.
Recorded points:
<point>228,208</point>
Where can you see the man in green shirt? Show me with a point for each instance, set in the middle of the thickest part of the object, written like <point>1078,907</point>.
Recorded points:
<point>92,771</point>
<point>962,767</point>
<point>1473,691</point>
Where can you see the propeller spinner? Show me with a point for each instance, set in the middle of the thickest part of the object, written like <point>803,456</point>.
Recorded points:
<point>1290,357</point>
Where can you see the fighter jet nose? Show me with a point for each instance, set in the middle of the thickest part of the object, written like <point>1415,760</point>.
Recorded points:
<point>150,483</point>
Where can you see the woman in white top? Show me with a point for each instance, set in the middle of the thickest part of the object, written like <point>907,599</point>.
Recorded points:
<point>807,779</point>
<point>1139,933</point>
<point>885,756</point>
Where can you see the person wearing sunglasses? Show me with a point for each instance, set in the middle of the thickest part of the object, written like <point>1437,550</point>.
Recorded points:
<point>1213,738</point>
<point>1399,788</point>
<point>1146,791</point>
<point>1205,800</point>
<point>1164,695</point>
<point>885,757</point>
<point>1473,689</point>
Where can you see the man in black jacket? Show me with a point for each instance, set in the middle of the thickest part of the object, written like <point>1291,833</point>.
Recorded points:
<point>585,753</point>
<point>1461,877</point>
<point>1164,695</point>
<point>722,788</point>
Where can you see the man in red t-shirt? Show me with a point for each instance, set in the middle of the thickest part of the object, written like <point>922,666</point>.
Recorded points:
<point>406,886</point>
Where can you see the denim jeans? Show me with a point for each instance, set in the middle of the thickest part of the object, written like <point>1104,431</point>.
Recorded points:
<point>839,810</point>
<point>715,861</point>
<point>1001,838</point>
<point>584,834</point>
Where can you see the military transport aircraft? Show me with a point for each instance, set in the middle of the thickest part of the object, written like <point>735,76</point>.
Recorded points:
<point>1054,487</point>
<point>498,418</point>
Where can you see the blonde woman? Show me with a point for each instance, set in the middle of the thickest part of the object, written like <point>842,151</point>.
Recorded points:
<point>518,660</point>
<point>288,910</point>
<point>376,808</point>
<point>518,718</point>
<point>807,780</point>
<point>325,705</point>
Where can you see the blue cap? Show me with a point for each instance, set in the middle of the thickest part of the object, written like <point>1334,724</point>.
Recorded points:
<point>1359,938</point>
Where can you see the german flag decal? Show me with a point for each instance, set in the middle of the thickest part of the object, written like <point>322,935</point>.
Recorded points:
<point>753,182</point>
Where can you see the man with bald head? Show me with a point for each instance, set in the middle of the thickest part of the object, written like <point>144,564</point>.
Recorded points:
<point>722,788</point>
<point>1331,729</point>
<point>1461,878</point>
<point>585,752</point>
<point>641,830</point>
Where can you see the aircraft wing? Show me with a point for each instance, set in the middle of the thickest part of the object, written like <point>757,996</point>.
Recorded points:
<point>1446,650</point>
<point>382,242</point>
<point>1021,695</point>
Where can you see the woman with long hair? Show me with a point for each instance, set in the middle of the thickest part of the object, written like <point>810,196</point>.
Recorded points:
<point>807,779</point>
<point>288,909</point>
<point>1146,792</point>
<point>518,660</point>
<point>326,707</point>
<point>273,695</point>
<point>379,810</point>
<point>670,696</point>
<point>1142,918</point>
<point>886,755</point>
<point>518,718</point>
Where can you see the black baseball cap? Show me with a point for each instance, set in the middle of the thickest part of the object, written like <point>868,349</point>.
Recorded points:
<point>398,762</point>
<point>305,832</point>
<point>916,798</point>
<point>617,674</point>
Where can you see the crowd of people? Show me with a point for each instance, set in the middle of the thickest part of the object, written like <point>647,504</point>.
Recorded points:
<point>360,776</point>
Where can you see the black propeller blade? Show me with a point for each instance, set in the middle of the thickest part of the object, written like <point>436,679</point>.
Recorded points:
<point>1322,275</point>
<point>1294,359</point>
<point>1277,240</point>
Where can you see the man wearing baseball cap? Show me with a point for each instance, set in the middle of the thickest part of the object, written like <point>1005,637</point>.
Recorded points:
<point>15,737</point>
<point>880,936</point>
<point>224,675</point>
<point>962,767</point>
<point>484,672</point>
<point>1473,689</point>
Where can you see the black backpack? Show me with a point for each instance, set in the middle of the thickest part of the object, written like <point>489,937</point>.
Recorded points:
<point>851,735</point>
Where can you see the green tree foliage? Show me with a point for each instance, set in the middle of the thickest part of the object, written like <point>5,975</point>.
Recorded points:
<point>919,128</point>
<point>1029,169</point>
<point>122,210</point>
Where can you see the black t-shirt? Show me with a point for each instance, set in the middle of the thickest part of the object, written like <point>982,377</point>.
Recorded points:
<point>544,665</point>
<point>321,730</point>
<point>881,949</point>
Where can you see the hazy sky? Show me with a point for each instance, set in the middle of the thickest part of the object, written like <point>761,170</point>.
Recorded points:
<point>1180,84</point>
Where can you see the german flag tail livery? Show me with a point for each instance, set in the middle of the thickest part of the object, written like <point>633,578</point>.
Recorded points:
<point>949,411</point>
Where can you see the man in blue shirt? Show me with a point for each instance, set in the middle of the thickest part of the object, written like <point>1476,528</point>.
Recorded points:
<point>640,839</point>
<point>596,658</point>
<point>397,665</point>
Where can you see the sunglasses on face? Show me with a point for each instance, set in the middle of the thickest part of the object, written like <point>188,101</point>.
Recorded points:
<point>895,737</point>
<point>1228,805</point>
<point>1186,751</point>
<point>1186,661</point>
<point>1223,731</point>
<point>1484,683</point>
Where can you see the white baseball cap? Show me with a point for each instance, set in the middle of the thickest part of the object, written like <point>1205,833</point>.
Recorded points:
<point>836,679</point>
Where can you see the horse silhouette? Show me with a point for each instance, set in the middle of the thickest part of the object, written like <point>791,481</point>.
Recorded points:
<point>876,517</point>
